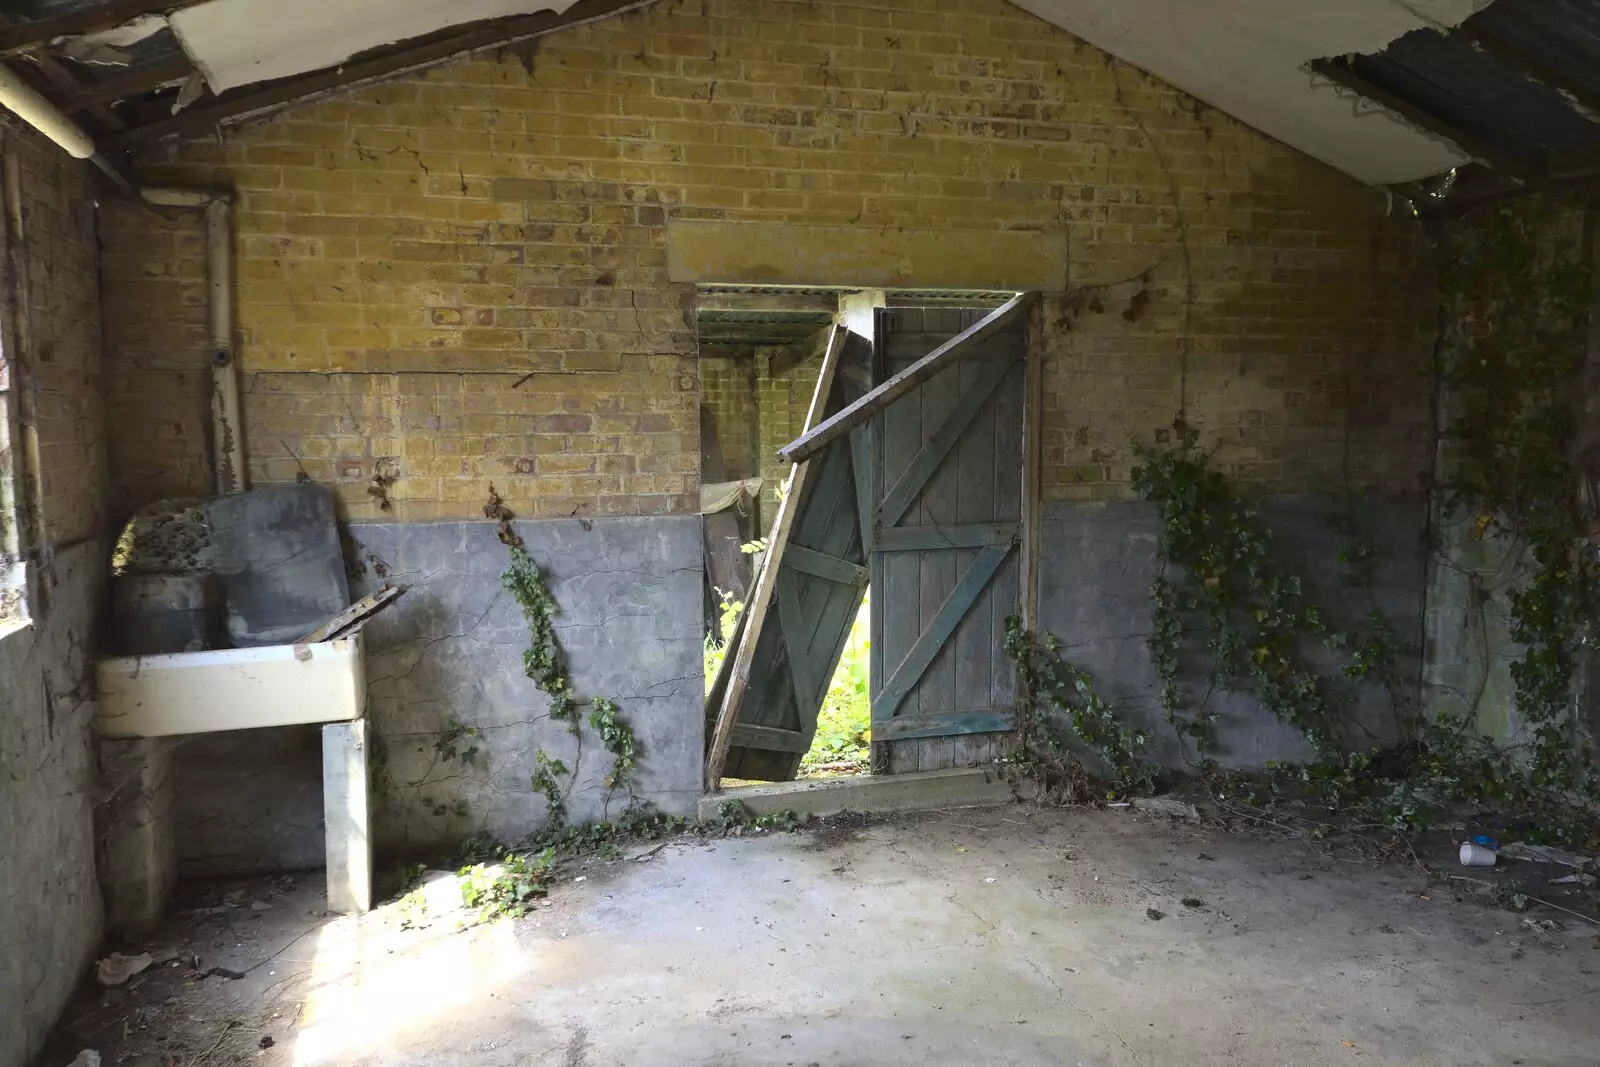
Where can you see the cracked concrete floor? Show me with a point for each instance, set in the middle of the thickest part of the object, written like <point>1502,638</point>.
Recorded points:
<point>1001,936</point>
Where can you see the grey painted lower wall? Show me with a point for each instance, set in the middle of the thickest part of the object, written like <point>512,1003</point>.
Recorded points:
<point>629,590</point>
<point>248,801</point>
<point>1097,561</point>
<point>1469,645</point>
<point>630,600</point>
<point>50,916</point>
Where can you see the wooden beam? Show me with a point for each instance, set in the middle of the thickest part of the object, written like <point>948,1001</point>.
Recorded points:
<point>135,81</point>
<point>357,71</point>
<point>66,85</point>
<point>946,355</point>
<point>27,35</point>
<point>780,363</point>
<point>944,724</point>
<point>1032,465</point>
<point>1582,165</point>
<point>770,738</point>
<point>898,500</point>
<point>861,469</point>
<point>940,628</point>
<point>1339,72</point>
<point>801,300</point>
<point>822,565</point>
<point>808,688</point>
<point>933,538</point>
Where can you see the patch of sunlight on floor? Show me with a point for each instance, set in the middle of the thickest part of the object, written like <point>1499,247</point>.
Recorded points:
<point>372,982</point>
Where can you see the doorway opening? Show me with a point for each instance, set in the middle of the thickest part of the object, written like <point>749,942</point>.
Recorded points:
<point>856,596</point>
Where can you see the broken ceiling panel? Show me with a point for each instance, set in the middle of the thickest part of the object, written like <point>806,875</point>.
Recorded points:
<point>240,42</point>
<point>1249,58</point>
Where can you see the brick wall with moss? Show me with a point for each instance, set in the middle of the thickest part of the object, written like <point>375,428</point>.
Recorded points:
<point>464,273</point>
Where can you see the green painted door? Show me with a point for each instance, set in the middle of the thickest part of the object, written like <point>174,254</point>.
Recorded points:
<point>946,489</point>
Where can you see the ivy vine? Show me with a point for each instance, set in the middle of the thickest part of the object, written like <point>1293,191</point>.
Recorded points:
<point>1045,676</point>
<point>1515,294</point>
<point>1218,580</point>
<point>1228,615</point>
<point>544,662</point>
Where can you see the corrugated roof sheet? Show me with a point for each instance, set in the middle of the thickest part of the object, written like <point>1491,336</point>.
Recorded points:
<point>1479,94</point>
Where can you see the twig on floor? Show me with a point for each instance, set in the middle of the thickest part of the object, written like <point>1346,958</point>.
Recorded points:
<point>1530,896</point>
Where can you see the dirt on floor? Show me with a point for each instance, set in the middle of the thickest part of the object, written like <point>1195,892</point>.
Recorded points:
<point>1013,935</point>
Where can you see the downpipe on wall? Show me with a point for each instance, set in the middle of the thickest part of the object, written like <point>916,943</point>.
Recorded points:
<point>227,442</point>
<point>22,100</point>
<point>27,104</point>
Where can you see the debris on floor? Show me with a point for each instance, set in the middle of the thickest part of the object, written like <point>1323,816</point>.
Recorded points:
<point>116,968</point>
<point>950,927</point>
<point>1166,806</point>
<point>1544,854</point>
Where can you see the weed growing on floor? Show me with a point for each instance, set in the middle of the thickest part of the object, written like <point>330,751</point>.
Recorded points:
<point>500,880</point>
<point>511,887</point>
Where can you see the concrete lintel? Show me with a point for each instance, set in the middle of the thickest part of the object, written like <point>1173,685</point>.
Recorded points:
<point>966,787</point>
<point>346,816</point>
<point>871,257</point>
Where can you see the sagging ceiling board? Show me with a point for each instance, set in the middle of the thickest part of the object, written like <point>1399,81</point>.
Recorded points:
<point>240,42</point>
<point>1248,58</point>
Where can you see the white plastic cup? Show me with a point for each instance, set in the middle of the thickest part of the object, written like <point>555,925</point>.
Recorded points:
<point>1474,855</point>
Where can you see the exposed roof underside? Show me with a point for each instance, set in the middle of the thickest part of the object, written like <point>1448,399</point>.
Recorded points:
<point>133,71</point>
<point>1389,91</point>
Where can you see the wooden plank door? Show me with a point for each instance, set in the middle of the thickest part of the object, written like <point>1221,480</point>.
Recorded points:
<point>763,708</point>
<point>946,484</point>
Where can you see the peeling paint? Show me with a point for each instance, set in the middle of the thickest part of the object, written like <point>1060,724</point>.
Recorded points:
<point>240,42</point>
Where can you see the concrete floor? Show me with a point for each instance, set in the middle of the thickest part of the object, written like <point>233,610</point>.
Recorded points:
<point>1000,936</point>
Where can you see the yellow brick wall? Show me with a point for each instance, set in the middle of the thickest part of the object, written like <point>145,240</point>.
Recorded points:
<point>785,398</point>
<point>465,270</point>
<point>728,391</point>
<point>158,418</point>
<point>63,327</point>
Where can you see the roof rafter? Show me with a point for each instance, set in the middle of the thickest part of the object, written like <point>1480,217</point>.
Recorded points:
<point>417,54</point>
<point>131,82</point>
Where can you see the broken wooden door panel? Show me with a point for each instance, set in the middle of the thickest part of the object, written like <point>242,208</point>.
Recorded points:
<point>948,503</point>
<point>764,708</point>
<point>799,643</point>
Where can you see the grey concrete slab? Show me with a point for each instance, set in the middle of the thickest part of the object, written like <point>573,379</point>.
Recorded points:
<point>451,650</point>
<point>1003,936</point>
<point>277,556</point>
<point>629,596</point>
<point>1097,562</point>
<point>964,787</point>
